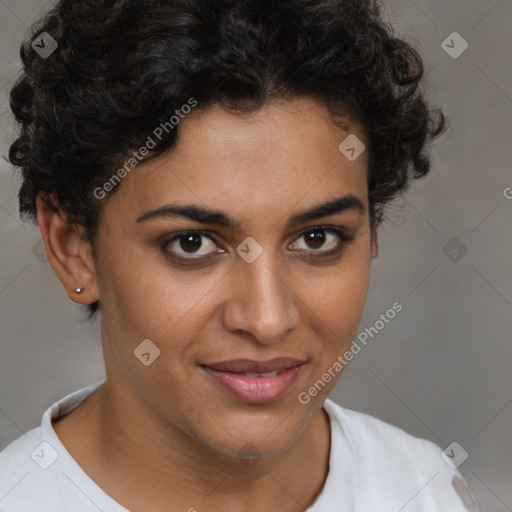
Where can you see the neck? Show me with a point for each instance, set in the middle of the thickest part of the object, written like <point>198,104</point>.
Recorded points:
<point>140,458</point>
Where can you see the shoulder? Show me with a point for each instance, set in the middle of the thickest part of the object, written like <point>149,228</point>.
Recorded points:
<point>23,481</point>
<point>403,470</point>
<point>390,443</point>
<point>14,455</point>
<point>36,471</point>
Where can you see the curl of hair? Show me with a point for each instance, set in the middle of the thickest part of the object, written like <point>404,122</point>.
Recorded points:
<point>122,67</point>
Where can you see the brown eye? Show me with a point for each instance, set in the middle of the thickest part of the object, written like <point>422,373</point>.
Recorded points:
<point>315,239</point>
<point>191,245</point>
<point>323,240</point>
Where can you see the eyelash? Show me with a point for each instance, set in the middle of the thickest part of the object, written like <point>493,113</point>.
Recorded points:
<point>343,239</point>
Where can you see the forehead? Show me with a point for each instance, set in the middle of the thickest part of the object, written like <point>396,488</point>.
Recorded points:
<point>281,155</point>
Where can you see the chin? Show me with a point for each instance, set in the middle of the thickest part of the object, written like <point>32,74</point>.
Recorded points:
<point>249,443</point>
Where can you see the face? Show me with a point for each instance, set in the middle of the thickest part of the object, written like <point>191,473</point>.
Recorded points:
<point>243,273</point>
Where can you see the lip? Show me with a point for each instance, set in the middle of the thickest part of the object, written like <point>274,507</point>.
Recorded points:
<point>252,366</point>
<point>231,376</point>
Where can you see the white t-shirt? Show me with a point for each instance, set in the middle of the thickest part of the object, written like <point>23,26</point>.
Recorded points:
<point>373,466</point>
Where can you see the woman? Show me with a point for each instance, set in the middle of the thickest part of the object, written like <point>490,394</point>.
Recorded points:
<point>209,177</point>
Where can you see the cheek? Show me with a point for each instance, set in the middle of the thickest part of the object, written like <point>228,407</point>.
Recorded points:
<point>337,298</point>
<point>148,297</point>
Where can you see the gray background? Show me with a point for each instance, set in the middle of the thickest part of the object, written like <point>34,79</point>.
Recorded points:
<point>441,368</point>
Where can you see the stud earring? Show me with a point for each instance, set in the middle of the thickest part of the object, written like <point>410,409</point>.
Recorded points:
<point>78,290</point>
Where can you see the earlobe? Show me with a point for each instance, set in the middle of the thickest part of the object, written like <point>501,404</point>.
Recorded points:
<point>375,243</point>
<point>68,252</point>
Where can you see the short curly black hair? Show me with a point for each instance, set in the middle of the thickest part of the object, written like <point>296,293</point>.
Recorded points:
<point>122,67</point>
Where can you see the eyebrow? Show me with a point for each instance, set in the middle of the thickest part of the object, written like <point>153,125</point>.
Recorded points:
<point>203,215</point>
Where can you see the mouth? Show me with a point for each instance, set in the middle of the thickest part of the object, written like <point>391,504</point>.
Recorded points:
<point>254,381</point>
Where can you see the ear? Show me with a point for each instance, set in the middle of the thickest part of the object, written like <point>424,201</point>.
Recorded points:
<point>374,241</point>
<point>68,252</point>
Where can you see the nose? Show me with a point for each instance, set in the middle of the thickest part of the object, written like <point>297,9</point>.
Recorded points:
<point>260,301</point>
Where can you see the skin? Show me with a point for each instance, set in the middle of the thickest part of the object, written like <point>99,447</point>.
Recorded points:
<point>163,436</point>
